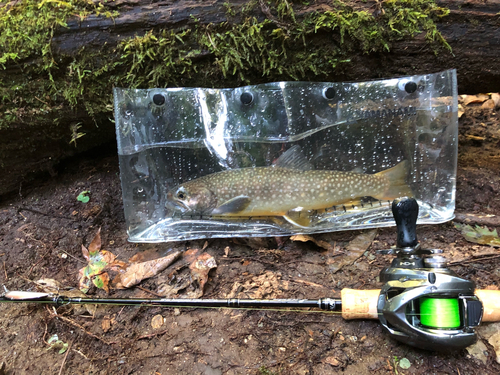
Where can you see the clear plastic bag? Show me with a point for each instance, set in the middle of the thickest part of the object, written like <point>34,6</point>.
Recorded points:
<point>285,158</point>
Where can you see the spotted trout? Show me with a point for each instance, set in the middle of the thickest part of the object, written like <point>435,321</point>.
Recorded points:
<point>290,188</point>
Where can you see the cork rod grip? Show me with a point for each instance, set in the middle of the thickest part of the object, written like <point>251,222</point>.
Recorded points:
<point>362,304</point>
<point>491,304</point>
<point>359,304</point>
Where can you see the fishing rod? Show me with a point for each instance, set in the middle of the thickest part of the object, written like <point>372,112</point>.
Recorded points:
<point>422,303</point>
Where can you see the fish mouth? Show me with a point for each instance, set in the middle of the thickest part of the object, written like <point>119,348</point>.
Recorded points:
<point>177,206</point>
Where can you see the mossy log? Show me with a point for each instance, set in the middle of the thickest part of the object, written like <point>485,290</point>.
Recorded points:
<point>57,70</point>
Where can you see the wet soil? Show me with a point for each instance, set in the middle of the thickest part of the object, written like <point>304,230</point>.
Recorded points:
<point>43,228</point>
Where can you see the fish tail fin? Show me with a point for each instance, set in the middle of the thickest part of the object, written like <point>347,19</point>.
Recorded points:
<point>398,182</point>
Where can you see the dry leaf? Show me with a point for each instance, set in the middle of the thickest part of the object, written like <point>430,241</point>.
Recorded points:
<point>95,245</point>
<point>49,285</point>
<point>137,272</point>
<point>305,238</point>
<point>488,104</point>
<point>495,342</point>
<point>200,269</point>
<point>99,262</point>
<point>491,287</point>
<point>479,98</point>
<point>106,323</point>
<point>496,99</point>
<point>354,250</point>
<point>190,281</point>
<point>479,235</point>
<point>461,110</point>
<point>267,285</point>
<point>101,281</point>
<point>157,321</point>
<point>331,361</point>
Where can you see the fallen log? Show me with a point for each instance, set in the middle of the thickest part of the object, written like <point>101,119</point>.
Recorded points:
<point>56,92</point>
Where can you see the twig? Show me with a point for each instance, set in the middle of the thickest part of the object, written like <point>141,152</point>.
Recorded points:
<point>153,334</point>
<point>5,270</point>
<point>489,220</point>
<point>149,291</point>
<point>473,260</point>
<point>307,283</point>
<point>72,256</point>
<point>83,355</point>
<point>66,356</point>
<point>40,100</point>
<point>42,213</point>
<point>75,324</point>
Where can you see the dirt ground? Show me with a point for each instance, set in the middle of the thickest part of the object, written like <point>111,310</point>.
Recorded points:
<point>43,227</point>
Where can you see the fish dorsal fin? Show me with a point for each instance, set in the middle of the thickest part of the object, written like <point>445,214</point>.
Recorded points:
<point>293,158</point>
<point>232,206</point>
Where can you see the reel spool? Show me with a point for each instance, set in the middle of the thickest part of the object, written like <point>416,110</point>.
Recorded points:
<point>439,313</point>
<point>423,303</point>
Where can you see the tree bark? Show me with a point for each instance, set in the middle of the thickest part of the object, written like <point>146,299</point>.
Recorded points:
<point>35,143</point>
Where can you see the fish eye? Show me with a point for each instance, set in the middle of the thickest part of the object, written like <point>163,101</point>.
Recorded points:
<point>181,195</point>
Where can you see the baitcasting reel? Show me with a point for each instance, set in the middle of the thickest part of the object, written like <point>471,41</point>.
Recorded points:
<point>423,303</point>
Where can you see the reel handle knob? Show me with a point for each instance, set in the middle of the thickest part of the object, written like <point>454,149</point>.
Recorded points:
<point>405,211</point>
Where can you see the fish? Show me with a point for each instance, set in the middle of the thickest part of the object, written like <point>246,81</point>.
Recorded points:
<point>290,188</point>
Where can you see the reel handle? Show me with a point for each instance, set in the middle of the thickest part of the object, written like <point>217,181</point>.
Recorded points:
<point>405,211</point>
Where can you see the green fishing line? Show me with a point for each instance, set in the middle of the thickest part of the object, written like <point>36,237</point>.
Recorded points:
<point>439,312</point>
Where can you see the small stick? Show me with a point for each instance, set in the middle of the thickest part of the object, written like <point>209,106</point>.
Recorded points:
<point>153,334</point>
<point>67,320</point>
<point>66,356</point>
<point>72,256</point>
<point>489,220</point>
<point>5,270</point>
<point>149,291</point>
<point>470,260</point>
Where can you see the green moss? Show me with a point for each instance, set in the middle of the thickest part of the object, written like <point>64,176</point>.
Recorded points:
<point>248,50</point>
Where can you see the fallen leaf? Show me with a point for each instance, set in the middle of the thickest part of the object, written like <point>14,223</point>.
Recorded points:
<point>474,99</point>
<point>55,343</point>
<point>305,238</point>
<point>491,287</point>
<point>353,250</point>
<point>106,323</point>
<point>477,351</point>
<point>136,272</point>
<point>189,281</point>
<point>404,363</point>
<point>49,285</point>
<point>331,361</point>
<point>488,104</point>
<point>495,342</point>
<point>461,110</point>
<point>496,99</point>
<point>480,235</point>
<point>157,321</point>
<point>200,269</point>
<point>226,251</point>
<point>267,285</point>
<point>95,245</point>
<point>101,281</point>
<point>100,261</point>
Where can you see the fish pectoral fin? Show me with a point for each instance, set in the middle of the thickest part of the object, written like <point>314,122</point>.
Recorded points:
<point>301,221</point>
<point>232,206</point>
